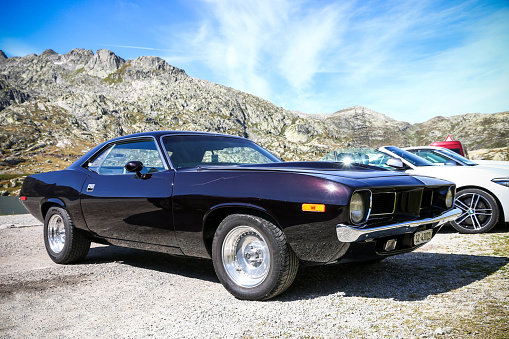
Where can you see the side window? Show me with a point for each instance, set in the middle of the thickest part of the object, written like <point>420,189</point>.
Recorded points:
<point>96,162</point>
<point>234,155</point>
<point>112,160</point>
<point>431,156</point>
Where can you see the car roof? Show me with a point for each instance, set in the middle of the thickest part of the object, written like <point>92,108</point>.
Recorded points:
<point>158,134</point>
<point>155,134</point>
<point>422,147</point>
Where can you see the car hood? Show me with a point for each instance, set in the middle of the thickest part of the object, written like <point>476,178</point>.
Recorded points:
<point>464,170</point>
<point>462,175</point>
<point>352,171</point>
<point>493,164</point>
<point>352,175</point>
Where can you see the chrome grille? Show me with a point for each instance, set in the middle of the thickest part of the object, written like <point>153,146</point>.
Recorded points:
<point>406,201</point>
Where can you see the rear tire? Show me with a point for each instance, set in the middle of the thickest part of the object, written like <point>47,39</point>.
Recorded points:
<point>64,243</point>
<point>252,258</point>
<point>479,211</point>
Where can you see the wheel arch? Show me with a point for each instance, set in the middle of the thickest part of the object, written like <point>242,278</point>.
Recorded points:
<point>499,204</point>
<point>48,203</point>
<point>217,214</point>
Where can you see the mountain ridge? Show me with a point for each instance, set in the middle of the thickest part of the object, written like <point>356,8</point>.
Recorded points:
<point>55,106</point>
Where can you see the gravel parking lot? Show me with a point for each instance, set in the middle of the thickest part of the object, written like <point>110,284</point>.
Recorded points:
<point>455,286</point>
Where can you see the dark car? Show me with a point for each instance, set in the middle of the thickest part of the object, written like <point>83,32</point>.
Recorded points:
<point>226,198</point>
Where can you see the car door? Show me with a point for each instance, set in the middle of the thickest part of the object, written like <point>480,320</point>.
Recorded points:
<point>128,206</point>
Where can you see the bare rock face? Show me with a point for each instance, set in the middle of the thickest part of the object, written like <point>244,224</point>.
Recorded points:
<point>147,67</point>
<point>54,104</point>
<point>9,95</point>
<point>151,63</point>
<point>48,53</point>
<point>497,154</point>
<point>475,130</point>
<point>103,63</point>
<point>2,55</point>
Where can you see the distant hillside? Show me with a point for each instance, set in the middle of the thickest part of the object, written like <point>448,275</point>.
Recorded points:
<point>55,107</point>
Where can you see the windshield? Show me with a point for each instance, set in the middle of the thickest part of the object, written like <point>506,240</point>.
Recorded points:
<point>432,156</point>
<point>411,158</point>
<point>366,156</point>
<point>205,150</point>
<point>456,156</point>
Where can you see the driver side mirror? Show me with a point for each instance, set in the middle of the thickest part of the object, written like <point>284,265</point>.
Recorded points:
<point>396,163</point>
<point>136,166</point>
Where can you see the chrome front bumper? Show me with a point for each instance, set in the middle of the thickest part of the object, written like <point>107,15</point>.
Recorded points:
<point>348,233</point>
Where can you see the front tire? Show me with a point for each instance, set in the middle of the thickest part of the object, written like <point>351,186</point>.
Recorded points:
<point>64,243</point>
<point>252,259</point>
<point>479,211</point>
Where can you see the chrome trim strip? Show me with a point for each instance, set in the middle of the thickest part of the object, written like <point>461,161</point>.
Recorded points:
<point>348,233</point>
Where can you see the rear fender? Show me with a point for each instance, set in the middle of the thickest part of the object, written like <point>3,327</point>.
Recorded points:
<point>47,203</point>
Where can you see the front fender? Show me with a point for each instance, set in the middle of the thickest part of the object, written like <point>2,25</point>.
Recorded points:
<point>203,198</point>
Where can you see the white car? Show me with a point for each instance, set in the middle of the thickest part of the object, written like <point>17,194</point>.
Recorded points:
<point>482,192</point>
<point>444,156</point>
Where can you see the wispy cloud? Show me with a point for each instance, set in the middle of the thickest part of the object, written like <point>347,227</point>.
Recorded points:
<point>251,44</point>
<point>398,57</point>
<point>444,62</point>
<point>239,40</point>
<point>308,45</point>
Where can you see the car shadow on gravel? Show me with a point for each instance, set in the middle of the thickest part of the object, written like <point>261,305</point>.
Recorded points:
<point>161,262</point>
<point>408,277</point>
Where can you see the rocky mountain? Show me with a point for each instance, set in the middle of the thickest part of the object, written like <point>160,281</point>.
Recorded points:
<point>54,107</point>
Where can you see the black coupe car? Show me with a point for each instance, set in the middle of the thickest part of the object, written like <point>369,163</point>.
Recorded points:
<point>226,198</point>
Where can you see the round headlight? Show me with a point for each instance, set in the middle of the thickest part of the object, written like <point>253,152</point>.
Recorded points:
<point>449,198</point>
<point>357,208</point>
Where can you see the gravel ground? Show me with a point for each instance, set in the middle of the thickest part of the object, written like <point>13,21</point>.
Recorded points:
<point>455,286</point>
<point>20,220</point>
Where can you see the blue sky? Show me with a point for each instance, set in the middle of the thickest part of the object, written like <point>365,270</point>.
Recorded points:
<point>410,60</point>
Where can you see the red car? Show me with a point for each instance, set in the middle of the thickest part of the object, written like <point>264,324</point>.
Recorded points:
<point>453,145</point>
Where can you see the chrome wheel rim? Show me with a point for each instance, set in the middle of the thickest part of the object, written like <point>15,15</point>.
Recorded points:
<point>56,233</point>
<point>476,211</point>
<point>246,256</point>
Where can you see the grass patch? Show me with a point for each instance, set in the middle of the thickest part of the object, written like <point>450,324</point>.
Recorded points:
<point>489,320</point>
<point>501,245</point>
<point>116,77</point>
<point>9,176</point>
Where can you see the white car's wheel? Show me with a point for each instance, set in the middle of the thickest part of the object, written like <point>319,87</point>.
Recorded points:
<point>479,211</point>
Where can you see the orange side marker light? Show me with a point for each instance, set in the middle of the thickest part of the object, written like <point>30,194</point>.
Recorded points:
<point>313,207</point>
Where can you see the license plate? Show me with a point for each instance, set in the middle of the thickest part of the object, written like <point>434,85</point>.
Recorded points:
<point>422,237</point>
